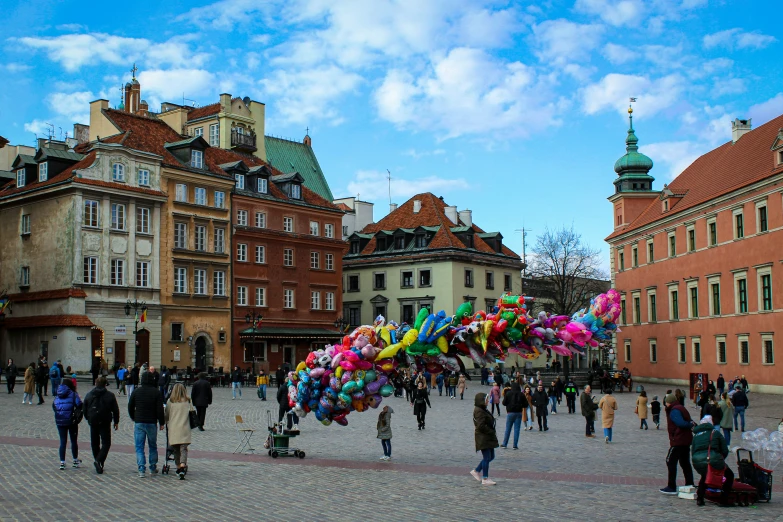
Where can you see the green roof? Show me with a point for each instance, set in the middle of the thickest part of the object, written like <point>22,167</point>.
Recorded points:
<point>45,153</point>
<point>266,332</point>
<point>293,156</point>
<point>458,230</point>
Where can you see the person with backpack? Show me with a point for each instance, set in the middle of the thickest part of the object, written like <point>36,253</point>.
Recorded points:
<point>101,411</point>
<point>68,412</point>
<point>56,376</point>
<point>164,380</point>
<point>122,375</point>
<point>145,408</point>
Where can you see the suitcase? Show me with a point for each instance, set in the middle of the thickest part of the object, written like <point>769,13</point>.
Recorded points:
<point>741,495</point>
<point>753,474</point>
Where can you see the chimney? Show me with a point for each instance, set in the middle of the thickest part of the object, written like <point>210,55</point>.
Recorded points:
<point>143,108</point>
<point>392,207</point>
<point>416,206</point>
<point>225,102</point>
<point>739,127</point>
<point>81,132</point>
<point>451,213</point>
<point>466,216</point>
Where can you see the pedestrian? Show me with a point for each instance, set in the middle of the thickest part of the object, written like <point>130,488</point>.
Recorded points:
<point>552,394</point>
<point>740,402</point>
<point>41,375</point>
<point>46,380</point>
<point>453,385</point>
<point>744,383</point>
<point>56,376</point>
<point>145,408</point>
<point>262,381</point>
<point>462,385</point>
<point>559,387</point>
<point>608,405</point>
<point>284,407</point>
<point>66,405</point>
<point>485,437</point>
<point>709,448</point>
<point>439,382</point>
<point>571,393</point>
<point>95,369</point>
<point>155,378</point>
<point>407,384</point>
<point>721,385</point>
<point>515,402</point>
<point>427,376</point>
<point>164,381</point>
<point>641,409</point>
<point>10,376</point>
<point>279,376</point>
<point>528,417</point>
<point>541,401</point>
<point>703,403</point>
<point>115,369</point>
<point>385,431</point>
<point>122,375</point>
<point>484,376</point>
<point>697,389</point>
<point>679,426</point>
<point>202,398</point>
<point>177,417</point>
<point>420,400</point>
<point>236,383</point>
<point>655,409</point>
<point>494,398</point>
<point>101,411</point>
<point>727,421</point>
<point>711,389</point>
<point>588,406</point>
<point>134,378</point>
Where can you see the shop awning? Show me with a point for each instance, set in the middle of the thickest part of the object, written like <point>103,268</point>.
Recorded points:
<point>291,333</point>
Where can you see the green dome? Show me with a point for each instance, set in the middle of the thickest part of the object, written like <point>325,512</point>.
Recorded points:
<point>633,161</point>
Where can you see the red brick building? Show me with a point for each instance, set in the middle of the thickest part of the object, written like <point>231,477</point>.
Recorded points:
<point>699,262</point>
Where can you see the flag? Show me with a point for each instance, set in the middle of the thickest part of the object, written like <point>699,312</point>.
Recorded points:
<point>144,316</point>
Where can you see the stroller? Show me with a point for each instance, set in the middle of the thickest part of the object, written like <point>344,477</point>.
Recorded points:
<point>277,442</point>
<point>169,455</point>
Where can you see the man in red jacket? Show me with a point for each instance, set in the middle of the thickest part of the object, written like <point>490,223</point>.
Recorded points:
<point>680,425</point>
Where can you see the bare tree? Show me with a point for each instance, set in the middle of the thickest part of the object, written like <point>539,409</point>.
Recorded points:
<point>570,268</point>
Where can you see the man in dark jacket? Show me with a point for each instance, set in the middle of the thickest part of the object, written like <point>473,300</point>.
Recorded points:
<point>559,388</point>
<point>41,375</point>
<point>706,438</point>
<point>101,411</point>
<point>540,402</point>
<point>484,376</point>
<point>588,407</point>
<point>721,385</point>
<point>279,377</point>
<point>236,383</point>
<point>515,402</point>
<point>679,424</point>
<point>201,395</point>
<point>571,393</point>
<point>282,401</point>
<point>164,380</point>
<point>95,369</point>
<point>134,378</point>
<point>145,408</point>
<point>740,402</point>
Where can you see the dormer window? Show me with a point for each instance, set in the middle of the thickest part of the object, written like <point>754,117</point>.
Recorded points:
<point>780,157</point>
<point>354,247</point>
<point>118,172</point>
<point>421,241</point>
<point>263,185</point>
<point>197,159</point>
<point>399,242</point>
<point>665,206</point>
<point>240,181</point>
<point>296,191</point>
<point>43,171</point>
<point>20,178</point>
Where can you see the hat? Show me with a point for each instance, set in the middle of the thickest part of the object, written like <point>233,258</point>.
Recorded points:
<point>669,399</point>
<point>707,419</point>
<point>655,397</point>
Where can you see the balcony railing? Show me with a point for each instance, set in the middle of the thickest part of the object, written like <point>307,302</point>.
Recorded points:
<point>243,141</point>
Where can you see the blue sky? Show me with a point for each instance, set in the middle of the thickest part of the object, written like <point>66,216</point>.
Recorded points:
<point>514,110</point>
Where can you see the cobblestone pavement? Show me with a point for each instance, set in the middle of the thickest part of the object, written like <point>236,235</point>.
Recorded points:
<point>555,473</point>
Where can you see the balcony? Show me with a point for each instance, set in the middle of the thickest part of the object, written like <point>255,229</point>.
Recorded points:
<point>243,142</point>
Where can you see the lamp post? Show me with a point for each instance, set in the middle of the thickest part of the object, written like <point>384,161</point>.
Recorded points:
<point>135,306</point>
<point>254,318</point>
<point>340,324</point>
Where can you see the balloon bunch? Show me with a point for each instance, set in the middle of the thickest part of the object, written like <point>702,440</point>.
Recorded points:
<point>767,446</point>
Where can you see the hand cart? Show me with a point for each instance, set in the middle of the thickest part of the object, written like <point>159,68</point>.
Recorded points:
<point>278,441</point>
<point>754,475</point>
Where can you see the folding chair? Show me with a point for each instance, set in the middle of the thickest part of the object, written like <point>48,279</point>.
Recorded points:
<point>243,435</point>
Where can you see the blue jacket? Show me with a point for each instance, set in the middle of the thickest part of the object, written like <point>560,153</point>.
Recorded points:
<point>64,404</point>
<point>54,373</point>
<point>121,374</point>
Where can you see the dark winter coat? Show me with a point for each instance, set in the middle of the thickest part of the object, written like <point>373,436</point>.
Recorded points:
<point>145,405</point>
<point>704,438</point>
<point>588,406</point>
<point>236,376</point>
<point>106,404</point>
<point>541,402</point>
<point>420,399</point>
<point>514,400</point>
<point>165,378</point>
<point>201,393</point>
<point>134,376</point>
<point>282,397</point>
<point>41,375</point>
<point>739,399</point>
<point>64,404</point>
<point>10,371</point>
<point>484,424</point>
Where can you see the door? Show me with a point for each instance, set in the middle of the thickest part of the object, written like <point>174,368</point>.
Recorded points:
<point>119,352</point>
<point>44,350</point>
<point>288,356</point>
<point>96,338</point>
<point>143,338</point>
<point>201,354</point>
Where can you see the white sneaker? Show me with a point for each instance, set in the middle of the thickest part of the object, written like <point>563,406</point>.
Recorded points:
<point>383,458</point>
<point>233,398</point>
<point>606,440</point>
<point>488,482</point>
<point>296,427</point>
<point>475,475</point>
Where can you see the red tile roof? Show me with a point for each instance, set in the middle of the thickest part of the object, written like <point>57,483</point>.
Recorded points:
<point>43,321</point>
<point>718,172</point>
<point>344,207</point>
<point>43,295</point>
<point>64,176</point>
<point>201,112</point>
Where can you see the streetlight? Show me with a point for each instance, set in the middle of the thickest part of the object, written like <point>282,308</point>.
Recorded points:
<point>341,323</point>
<point>254,318</point>
<point>135,306</point>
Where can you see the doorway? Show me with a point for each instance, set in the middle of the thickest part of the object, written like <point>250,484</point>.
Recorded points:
<point>96,338</point>
<point>119,352</point>
<point>288,357</point>
<point>143,338</point>
<point>201,354</point>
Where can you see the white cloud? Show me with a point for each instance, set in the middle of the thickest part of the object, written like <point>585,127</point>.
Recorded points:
<point>561,41</point>
<point>169,84</point>
<point>717,64</point>
<point>728,86</point>
<point>765,111</point>
<point>368,184</point>
<point>413,153</point>
<point>15,68</point>
<point>74,106</point>
<point>226,14</point>
<point>737,38</point>
<point>613,12</point>
<point>675,156</point>
<point>613,91</point>
<point>618,54</point>
<point>37,127</point>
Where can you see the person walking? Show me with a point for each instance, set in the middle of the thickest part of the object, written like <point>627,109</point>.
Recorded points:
<point>485,437</point>
<point>608,405</point>
<point>202,398</point>
<point>279,376</point>
<point>29,384</point>
<point>541,401</point>
<point>453,385</point>
<point>721,385</point>
<point>552,394</point>
<point>164,381</point>
<point>439,381</point>
<point>46,379</point>
<point>655,409</point>
<point>744,383</point>
<point>515,403</point>
<point>559,386</point>
<point>698,387</point>
<point>10,376</point>
<point>101,411</point>
<point>134,378</point>
<point>727,419</point>
<point>236,383</point>
<point>462,385</point>
<point>641,410</point>
<point>494,398</point>
<point>95,369</point>
<point>65,406</point>
<point>709,448</point>
<point>122,375</point>
<point>571,393</point>
<point>177,417</point>
<point>740,402</point>
<point>56,376</point>
<point>145,408</point>
<point>420,400</point>
<point>588,407</point>
<point>41,375</point>
<point>528,417</point>
<point>385,431</point>
<point>262,381</point>
<point>679,425</point>
<point>484,376</point>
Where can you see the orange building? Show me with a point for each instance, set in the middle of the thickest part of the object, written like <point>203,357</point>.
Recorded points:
<point>698,263</point>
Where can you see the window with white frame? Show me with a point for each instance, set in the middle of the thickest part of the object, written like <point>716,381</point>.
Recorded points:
<point>314,228</point>
<point>744,349</point>
<point>768,349</point>
<point>239,180</point>
<point>288,298</point>
<point>214,135</point>
<point>117,272</point>
<point>637,308</point>
<point>198,131</point>
<point>219,282</point>
<point>201,238</point>
<point>260,254</point>
<point>142,274</point>
<point>43,171</point>
<point>712,231</point>
<point>315,300</point>
<point>260,296</point>
<point>674,304</point>
<point>288,224</point>
<point>260,219</point>
<point>696,346</point>
<point>220,240</point>
<point>634,256</point>
<point>25,276</point>
<point>118,172</point>
<point>345,230</point>
<point>329,261</point>
<point>720,349</point>
<point>181,192</point>
<point>713,283</point>
<point>652,308</point>
<point>242,218</point>
<point>241,252</point>
<point>329,301</point>
<point>672,244</point>
<point>263,186</point>
<point>764,275</point>
<point>142,220</point>
<point>201,196</point>
<point>242,295</point>
<point>20,178</point>
<point>653,351</point>
<point>739,223</point>
<point>627,351</point>
<point>220,199</point>
<point>180,280</point>
<point>762,225</point>
<point>91,213</point>
<point>690,232</point>
<point>328,230</point>
<point>197,159</point>
<point>741,292</point>
<point>288,257</point>
<point>693,299</point>
<point>91,270</point>
<point>650,251</point>
<point>681,350</point>
<point>143,177</point>
<point>26,228</point>
<point>117,216</point>
<point>296,191</point>
<point>315,260</point>
<point>180,235</point>
<point>622,311</point>
<point>199,281</point>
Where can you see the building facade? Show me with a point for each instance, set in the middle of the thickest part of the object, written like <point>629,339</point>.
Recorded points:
<point>698,262</point>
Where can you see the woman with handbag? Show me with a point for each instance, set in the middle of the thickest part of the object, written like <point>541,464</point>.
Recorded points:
<point>708,450</point>
<point>641,409</point>
<point>68,414</point>
<point>178,424</point>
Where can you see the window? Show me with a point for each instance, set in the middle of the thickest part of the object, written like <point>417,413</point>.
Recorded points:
<point>675,305</point>
<point>315,300</point>
<point>315,260</point>
<point>715,304</point>
<point>26,223</point>
<point>197,159</point>
<point>712,229</point>
<point>407,314</point>
<point>200,281</point>
<point>177,332</point>
<point>652,312</point>
<point>354,247</point>
<point>621,261</point>
<point>329,300</point>
<point>20,179</point>
<point>672,245</point>
<point>201,196</point>
<point>762,218</point>
<point>260,296</point>
<point>242,295</point>
<point>634,256</point>
<point>744,350</point>
<point>742,296</point>
<point>241,252</point>
<point>220,199</point>
<point>407,279</point>
<point>622,312</point>
<point>637,310</point>
<point>314,228</point>
<point>242,218</point>
<point>201,238</point>
<point>721,350</point>
<point>653,351</point>
<point>696,351</point>
<point>91,270</point>
<point>506,282</point>
<point>118,172</point>
<point>198,131</point>
<point>328,230</point>
<point>214,135</point>
<point>117,216</point>
<point>262,186</point>
<point>329,258</point>
<point>650,251</point>
<point>142,220</point>
<point>681,351</point>
<point>691,239</point>
<point>627,352</point>
<point>91,213</point>
<point>425,277</point>
<point>353,283</point>
<point>379,281</point>
<point>180,280</point>
<point>260,219</point>
<point>260,254</point>
<point>288,298</point>
<point>490,280</point>
<point>288,224</point>
<point>240,181</point>
<point>288,257</point>
<point>220,240</point>
<point>142,274</point>
<point>739,229</point>
<point>421,241</point>
<point>117,272</point>
<point>219,282</point>
<point>345,230</point>
<point>769,350</point>
<point>181,193</point>
<point>694,302</point>
<point>296,191</point>
<point>180,235</point>
<point>468,278</point>
<point>765,282</point>
<point>143,177</point>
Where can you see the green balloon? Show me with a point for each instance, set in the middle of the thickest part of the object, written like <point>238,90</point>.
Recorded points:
<point>370,376</point>
<point>386,390</point>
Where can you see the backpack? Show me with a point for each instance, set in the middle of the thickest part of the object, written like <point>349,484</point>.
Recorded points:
<point>54,373</point>
<point>96,411</point>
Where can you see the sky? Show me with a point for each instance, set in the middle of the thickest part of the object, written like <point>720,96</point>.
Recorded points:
<point>514,110</point>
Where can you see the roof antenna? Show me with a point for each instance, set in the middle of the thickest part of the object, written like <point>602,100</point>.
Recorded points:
<point>388,177</point>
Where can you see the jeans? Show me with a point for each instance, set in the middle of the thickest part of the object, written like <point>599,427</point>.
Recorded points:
<point>64,431</point>
<point>739,410</point>
<point>131,387</point>
<point>262,389</point>
<point>515,420</point>
<point>679,455</point>
<point>529,421</point>
<point>727,436</point>
<point>39,388</point>
<point>608,434</point>
<point>540,418</point>
<point>553,404</point>
<point>163,392</point>
<point>149,433</point>
<point>720,391</point>
<point>234,387</point>
<point>643,424</point>
<point>56,385</point>
<point>488,456</point>
<point>589,426</point>
<point>657,419</point>
<point>440,389</point>
<point>27,397</point>
<point>100,440</point>
<point>386,443</point>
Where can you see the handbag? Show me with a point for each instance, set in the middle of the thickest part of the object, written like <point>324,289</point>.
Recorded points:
<point>193,419</point>
<point>77,414</point>
<point>714,478</point>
